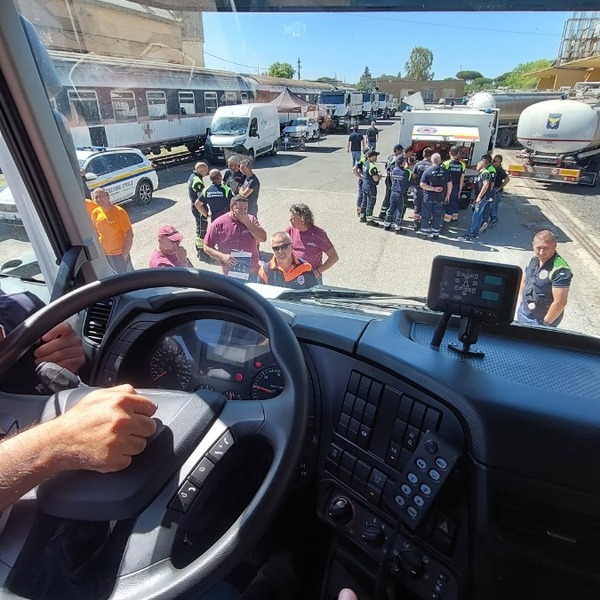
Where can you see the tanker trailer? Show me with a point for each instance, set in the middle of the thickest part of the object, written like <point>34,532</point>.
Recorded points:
<point>510,106</point>
<point>562,142</point>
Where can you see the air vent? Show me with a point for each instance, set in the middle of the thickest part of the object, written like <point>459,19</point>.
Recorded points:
<point>557,534</point>
<point>96,321</point>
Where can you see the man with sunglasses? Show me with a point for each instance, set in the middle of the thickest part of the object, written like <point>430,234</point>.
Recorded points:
<point>286,269</point>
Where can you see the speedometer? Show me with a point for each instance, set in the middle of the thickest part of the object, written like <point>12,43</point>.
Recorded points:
<point>169,367</point>
<point>267,384</point>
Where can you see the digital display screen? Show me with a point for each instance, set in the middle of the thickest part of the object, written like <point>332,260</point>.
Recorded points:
<point>470,288</point>
<point>474,287</point>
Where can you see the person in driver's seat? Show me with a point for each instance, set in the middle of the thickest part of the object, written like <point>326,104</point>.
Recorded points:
<point>101,433</point>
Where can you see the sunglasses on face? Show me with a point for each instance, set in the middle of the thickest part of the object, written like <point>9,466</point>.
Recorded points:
<point>280,248</point>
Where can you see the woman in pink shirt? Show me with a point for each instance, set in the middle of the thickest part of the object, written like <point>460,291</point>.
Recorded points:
<point>309,241</point>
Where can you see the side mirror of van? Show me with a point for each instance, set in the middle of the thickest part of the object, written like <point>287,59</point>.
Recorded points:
<point>208,131</point>
<point>91,176</point>
<point>254,133</point>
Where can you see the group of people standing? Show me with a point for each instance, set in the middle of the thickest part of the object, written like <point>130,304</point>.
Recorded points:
<point>229,232</point>
<point>438,187</point>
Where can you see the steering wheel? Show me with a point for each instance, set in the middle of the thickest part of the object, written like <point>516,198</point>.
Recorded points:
<point>189,427</point>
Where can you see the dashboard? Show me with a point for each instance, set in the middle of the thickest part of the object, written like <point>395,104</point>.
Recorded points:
<point>447,473</point>
<point>213,354</point>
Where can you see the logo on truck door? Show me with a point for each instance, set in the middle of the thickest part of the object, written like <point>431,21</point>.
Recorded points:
<point>553,121</point>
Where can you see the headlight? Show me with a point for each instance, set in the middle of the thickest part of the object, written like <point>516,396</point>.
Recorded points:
<point>239,141</point>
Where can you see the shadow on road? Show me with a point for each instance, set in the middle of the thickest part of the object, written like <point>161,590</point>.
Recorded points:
<point>282,159</point>
<point>139,213</point>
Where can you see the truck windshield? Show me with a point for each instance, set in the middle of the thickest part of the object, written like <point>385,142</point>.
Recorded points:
<point>149,97</point>
<point>229,125</point>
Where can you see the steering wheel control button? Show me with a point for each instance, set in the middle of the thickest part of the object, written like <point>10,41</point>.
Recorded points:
<point>412,487</point>
<point>202,471</point>
<point>185,496</point>
<point>218,451</point>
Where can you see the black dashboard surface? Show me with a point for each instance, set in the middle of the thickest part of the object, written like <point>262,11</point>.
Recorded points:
<point>518,428</point>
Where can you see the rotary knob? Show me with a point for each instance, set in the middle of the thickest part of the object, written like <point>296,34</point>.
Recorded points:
<point>373,536</point>
<point>341,511</point>
<point>411,562</point>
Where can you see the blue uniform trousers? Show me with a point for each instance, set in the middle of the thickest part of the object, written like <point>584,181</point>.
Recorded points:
<point>395,211</point>
<point>431,215</point>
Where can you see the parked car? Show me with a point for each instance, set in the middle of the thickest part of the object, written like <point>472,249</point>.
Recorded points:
<point>303,127</point>
<point>126,173</point>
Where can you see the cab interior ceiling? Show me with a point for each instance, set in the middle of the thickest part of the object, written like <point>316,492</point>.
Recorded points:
<point>374,5</point>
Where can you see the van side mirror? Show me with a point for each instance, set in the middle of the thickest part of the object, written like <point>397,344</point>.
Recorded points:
<point>254,133</point>
<point>91,176</point>
<point>208,131</point>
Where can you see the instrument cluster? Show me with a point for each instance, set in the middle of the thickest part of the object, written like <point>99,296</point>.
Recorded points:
<point>217,355</point>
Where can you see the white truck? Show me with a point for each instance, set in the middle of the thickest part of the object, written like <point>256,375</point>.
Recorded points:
<point>343,107</point>
<point>511,105</point>
<point>561,139</point>
<point>441,127</point>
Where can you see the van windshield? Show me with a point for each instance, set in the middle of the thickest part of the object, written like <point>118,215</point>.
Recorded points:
<point>229,125</point>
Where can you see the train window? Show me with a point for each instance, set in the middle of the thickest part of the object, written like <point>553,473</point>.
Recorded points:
<point>157,104</point>
<point>123,105</point>
<point>84,106</point>
<point>230,98</point>
<point>187,103</point>
<point>210,102</point>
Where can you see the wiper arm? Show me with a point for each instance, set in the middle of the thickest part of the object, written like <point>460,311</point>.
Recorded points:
<point>320,291</point>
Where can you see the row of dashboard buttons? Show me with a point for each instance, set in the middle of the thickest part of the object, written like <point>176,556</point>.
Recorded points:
<point>191,486</point>
<point>356,473</point>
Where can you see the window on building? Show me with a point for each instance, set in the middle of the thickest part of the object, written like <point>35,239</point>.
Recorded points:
<point>428,94</point>
<point>84,106</point>
<point>157,104</point>
<point>123,105</point>
<point>210,102</point>
<point>244,96</point>
<point>187,103</point>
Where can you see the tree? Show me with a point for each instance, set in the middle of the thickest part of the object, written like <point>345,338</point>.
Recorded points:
<point>281,69</point>
<point>419,64</point>
<point>469,76</point>
<point>519,78</point>
<point>326,80</point>
<point>364,83</point>
<point>481,84</point>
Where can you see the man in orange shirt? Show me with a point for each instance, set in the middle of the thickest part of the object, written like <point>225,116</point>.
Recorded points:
<point>114,231</point>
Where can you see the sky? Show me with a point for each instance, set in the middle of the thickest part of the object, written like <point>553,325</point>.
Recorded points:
<point>341,45</point>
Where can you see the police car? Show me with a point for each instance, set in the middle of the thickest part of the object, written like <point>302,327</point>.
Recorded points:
<point>126,173</point>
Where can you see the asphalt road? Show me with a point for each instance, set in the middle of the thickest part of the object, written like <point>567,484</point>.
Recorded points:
<point>376,260</point>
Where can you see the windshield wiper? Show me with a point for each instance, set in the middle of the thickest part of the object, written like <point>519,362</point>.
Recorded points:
<point>334,293</point>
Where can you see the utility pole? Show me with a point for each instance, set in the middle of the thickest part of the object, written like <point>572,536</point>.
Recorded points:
<point>299,67</point>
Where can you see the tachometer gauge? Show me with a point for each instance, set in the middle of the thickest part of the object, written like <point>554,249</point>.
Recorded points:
<point>169,367</point>
<point>267,384</point>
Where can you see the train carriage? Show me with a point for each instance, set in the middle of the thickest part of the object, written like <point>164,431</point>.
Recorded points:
<point>147,105</point>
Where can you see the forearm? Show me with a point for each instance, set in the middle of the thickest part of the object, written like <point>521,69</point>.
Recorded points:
<point>554,311</point>
<point>201,208</point>
<point>332,258</point>
<point>215,254</point>
<point>258,233</point>
<point>27,460</point>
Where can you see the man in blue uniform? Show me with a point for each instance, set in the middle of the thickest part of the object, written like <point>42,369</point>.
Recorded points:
<point>390,163</point>
<point>195,188</point>
<point>481,200</point>
<point>401,176</point>
<point>545,284</point>
<point>434,183</point>
<point>500,183</point>
<point>216,196</point>
<point>456,173</point>
<point>370,181</point>
<point>419,168</point>
<point>491,189</point>
<point>357,171</point>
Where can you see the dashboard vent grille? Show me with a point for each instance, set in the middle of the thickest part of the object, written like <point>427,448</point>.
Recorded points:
<point>96,321</point>
<point>559,535</point>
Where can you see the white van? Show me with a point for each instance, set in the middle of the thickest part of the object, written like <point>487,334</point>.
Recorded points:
<point>250,129</point>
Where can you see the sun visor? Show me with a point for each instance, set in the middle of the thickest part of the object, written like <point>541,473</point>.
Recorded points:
<point>444,133</point>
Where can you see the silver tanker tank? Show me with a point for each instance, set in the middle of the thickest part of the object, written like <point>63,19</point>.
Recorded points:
<point>511,105</point>
<point>560,127</point>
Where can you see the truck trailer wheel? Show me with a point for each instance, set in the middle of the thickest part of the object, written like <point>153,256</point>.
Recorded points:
<point>505,138</point>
